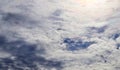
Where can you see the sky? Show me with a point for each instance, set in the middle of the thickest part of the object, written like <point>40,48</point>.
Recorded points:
<point>60,34</point>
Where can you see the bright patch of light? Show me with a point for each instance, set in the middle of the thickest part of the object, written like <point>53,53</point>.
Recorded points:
<point>90,10</point>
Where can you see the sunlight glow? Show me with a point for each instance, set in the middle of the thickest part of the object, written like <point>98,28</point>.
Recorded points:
<point>91,9</point>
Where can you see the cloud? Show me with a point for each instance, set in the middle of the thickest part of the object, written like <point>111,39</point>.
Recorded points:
<point>23,56</point>
<point>59,35</point>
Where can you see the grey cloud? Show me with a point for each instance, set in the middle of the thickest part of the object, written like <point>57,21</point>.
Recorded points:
<point>25,56</point>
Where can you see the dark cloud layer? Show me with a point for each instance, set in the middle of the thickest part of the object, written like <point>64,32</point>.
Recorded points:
<point>24,56</point>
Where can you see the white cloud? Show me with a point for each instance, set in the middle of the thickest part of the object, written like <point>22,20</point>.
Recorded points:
<point>42,26</point>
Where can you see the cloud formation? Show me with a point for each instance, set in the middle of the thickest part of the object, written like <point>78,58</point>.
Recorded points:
<point>60,35</point>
